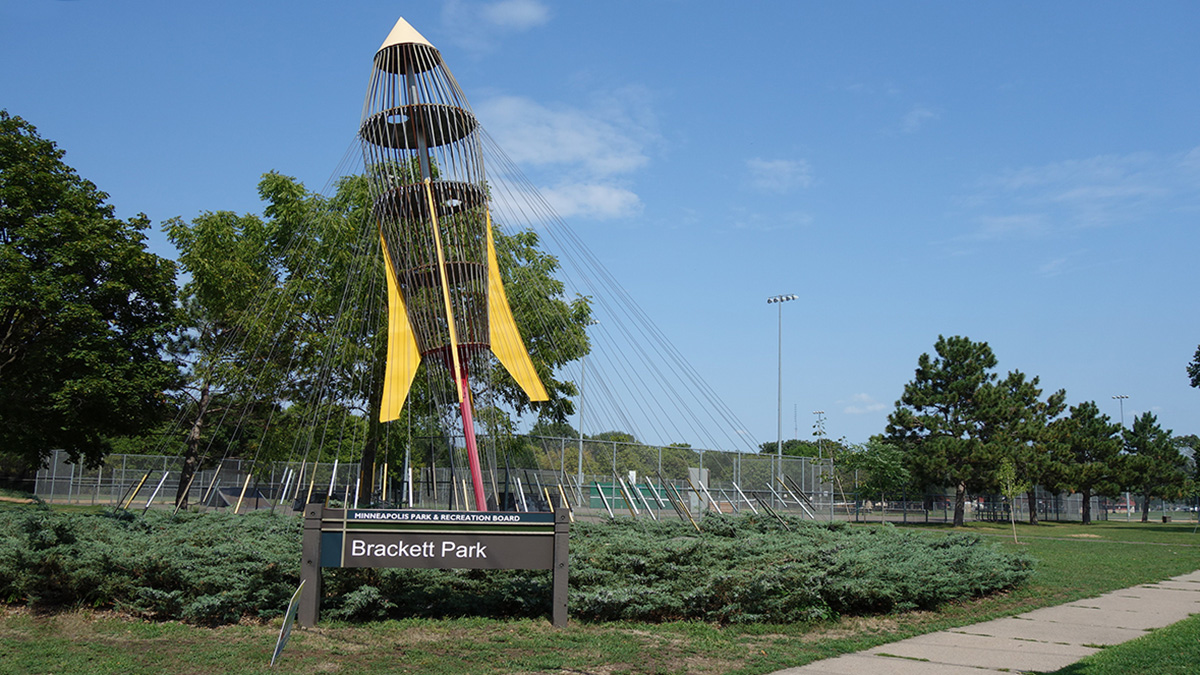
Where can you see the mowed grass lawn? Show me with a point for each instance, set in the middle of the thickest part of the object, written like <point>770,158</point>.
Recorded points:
<point>1073,562</point>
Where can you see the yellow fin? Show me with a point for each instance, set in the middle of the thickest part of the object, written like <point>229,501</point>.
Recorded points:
<point>506,338</point>
<point>403,357</point>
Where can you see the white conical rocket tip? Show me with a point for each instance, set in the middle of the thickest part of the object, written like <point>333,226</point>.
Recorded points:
<point>403,33</point>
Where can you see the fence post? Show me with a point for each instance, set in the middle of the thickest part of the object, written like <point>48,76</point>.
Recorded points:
<point>54,474</point>
<point>831,470</point>
<point>310,566</point>
<point>614,449</point>
<point>559,577</point>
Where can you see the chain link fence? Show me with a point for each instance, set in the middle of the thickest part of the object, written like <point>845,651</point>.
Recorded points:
<point>596,479</point>
<point>939,508</point>
<point>144,481</point>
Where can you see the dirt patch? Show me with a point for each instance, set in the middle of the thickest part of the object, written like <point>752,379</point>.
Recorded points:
<point>855,626</point>
<point>1084,536</point>
<point>15,500</point>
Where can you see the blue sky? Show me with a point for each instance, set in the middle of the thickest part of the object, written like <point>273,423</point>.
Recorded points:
<point>1022,173</point>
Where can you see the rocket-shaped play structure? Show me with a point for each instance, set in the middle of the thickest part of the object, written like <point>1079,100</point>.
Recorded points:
<point>446,302</point>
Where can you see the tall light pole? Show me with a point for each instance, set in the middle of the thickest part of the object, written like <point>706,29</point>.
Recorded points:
<point>1120,398</point>
<point>780,299</point>
<point>819,426</point>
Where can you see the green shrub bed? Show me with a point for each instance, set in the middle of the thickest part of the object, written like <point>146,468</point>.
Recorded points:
<point>218,568</point>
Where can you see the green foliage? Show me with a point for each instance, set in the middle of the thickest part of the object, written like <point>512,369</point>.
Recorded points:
<point>206,569</point>
<point>1086,446</point>
<point>551,429</point>
<point>553,326</point>
<point>1113,555</point>
<point>84,310</point>
<point>792,447</point>
<point>939,418</point>
<point>881,465</point>
<point>1016,421</point>
<point>1011,485</point>
<point>1154,465</point>
<point>218,568</point>
<point>365,603</point>
<point>956,421</point>
<point>1193,370</point>
<point>746,569</point>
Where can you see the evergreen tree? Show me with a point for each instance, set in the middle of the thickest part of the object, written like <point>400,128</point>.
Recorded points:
<point>1193,369</point>
<point>1015,424</point>
<point>1087,448</point>
<point>1154,466</point>
<point>939,420</point>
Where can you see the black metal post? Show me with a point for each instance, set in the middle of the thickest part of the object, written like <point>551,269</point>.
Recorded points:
<point>310,567</point>
<point>562,521</point>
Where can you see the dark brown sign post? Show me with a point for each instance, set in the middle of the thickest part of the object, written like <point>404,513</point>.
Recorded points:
<point>432,540</point>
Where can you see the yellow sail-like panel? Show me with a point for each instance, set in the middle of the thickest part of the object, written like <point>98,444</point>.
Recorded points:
<point>403,357</point>
<point>506,339</point>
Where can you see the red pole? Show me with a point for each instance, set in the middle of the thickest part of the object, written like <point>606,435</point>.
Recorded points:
<point>472,452</point>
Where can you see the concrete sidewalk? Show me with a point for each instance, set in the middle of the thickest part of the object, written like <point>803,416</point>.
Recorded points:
<point>1042,640</point>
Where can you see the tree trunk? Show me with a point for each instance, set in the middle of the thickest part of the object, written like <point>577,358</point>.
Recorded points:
<point>191,455</point>
<point>1087,506</point>
<point>366,468</point>
<point>1146,507</point>
<point>1012,517</point>
<point>1031,498</point>
<point>960,505</point>
<point>366,474</point>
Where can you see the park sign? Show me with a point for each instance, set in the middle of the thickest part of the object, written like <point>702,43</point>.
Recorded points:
<point>406,538</point>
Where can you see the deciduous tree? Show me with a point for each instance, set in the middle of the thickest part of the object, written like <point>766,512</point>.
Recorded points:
<point>1011,485</point>
<point>329,234</point>
<point>229,333</point>
<point>85,309</point>
<point>303,289</point>
<point>881,467</point>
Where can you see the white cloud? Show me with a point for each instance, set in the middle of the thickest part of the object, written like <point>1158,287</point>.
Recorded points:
<point>533,134</point>
<point>862,404</point>
<point>779,175</point>
<point>516,14</point>
<point>1101,191</point>
<point>581,159</point>
<point>1024,225</point>
<point>592,201</point>
<point>916,118</point>
<point>759,221</point>
<point>478,26</point>
<point>1053,267</point>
